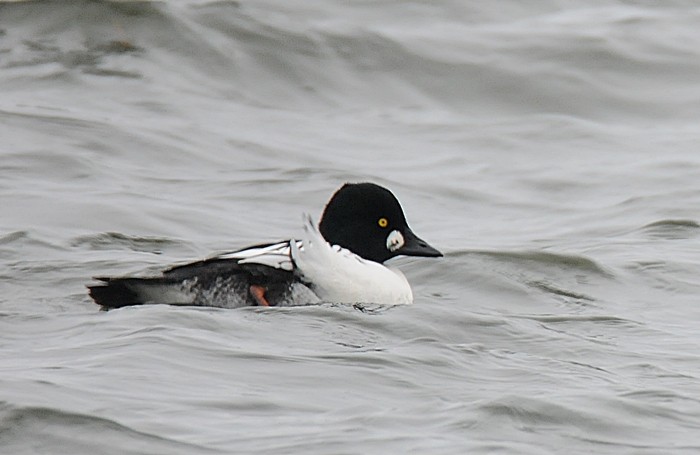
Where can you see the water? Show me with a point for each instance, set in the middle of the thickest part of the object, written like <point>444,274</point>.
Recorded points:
<point>549,149</point>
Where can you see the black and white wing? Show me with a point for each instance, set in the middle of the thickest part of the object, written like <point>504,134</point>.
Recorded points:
<point>222,280</point>
<point>257,260</point>
<point>274,255</point>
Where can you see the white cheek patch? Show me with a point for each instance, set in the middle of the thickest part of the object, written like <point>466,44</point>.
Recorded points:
<point>394,241</point>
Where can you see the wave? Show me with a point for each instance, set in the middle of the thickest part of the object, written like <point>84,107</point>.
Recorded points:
<point>32,429</point>
<point>604,319</point>
<point>539,259</point>
<point>115,240</point>
<point>672,229</point>
<point>456,59</point>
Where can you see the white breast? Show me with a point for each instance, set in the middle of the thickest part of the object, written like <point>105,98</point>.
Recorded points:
<point>340,276</point>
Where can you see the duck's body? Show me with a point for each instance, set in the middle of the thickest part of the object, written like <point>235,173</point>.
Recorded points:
<point>363,225</point>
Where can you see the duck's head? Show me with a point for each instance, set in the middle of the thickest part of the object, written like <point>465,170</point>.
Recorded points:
<point>368,220</point>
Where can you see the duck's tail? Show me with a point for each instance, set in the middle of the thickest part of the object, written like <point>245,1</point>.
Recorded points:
<point>121,292</point>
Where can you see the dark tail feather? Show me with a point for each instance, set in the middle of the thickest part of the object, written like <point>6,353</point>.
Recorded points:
<point>113,293</point>
<point>127,291</point>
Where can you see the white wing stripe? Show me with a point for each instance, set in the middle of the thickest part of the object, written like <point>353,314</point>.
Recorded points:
<point>275,256</point>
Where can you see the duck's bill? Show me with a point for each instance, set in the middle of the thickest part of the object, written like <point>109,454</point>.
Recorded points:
<point>415,246</point>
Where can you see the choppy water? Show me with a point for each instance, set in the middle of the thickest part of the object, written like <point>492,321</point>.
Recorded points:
<point>549,148</point>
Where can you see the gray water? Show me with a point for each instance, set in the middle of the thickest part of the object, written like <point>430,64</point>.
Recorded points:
<point>549,148</point>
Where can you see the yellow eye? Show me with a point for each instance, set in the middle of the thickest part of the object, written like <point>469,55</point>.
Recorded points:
<point>383,222</point>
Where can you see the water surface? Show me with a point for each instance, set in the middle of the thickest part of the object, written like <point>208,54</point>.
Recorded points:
<point>549,149</point>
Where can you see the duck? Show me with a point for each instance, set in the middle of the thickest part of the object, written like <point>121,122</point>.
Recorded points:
<point>340,261</point>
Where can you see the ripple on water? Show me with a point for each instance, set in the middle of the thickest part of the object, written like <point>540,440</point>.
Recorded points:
<point>671,229</point>
<point>116,240</point>
<point>50,428</point>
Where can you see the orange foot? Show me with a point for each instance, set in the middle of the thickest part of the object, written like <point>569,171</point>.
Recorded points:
<point>258,293</point>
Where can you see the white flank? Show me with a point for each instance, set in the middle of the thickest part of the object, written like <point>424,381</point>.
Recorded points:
<point>340,276</point>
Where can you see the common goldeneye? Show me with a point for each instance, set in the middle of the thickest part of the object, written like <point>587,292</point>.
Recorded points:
<point>362,226</point>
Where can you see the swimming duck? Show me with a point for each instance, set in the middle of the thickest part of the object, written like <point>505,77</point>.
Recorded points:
<point>340,261</point>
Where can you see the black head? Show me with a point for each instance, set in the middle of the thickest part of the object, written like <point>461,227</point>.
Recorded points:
<point>368,220</point>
